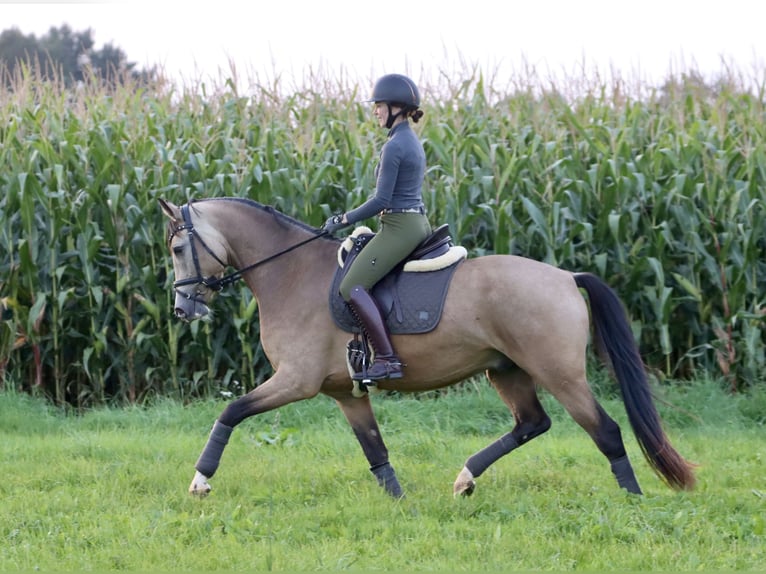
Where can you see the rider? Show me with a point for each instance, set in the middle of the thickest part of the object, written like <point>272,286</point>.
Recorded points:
<point>403,223</point>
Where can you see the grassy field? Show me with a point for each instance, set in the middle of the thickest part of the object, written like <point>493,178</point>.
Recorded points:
<point>106,490</point>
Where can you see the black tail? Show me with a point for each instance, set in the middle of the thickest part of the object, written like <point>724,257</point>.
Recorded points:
<point>613,337</point>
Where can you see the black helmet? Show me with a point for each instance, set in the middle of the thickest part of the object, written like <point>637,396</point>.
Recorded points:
<point>396,89</point>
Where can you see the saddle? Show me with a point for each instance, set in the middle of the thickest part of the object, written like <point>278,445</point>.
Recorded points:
<point>411,297</point>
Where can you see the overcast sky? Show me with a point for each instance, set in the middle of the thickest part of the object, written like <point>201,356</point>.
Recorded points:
<point>362,39</point>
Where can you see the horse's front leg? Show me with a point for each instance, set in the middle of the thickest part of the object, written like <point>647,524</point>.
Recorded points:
<point>358,412</point>
<point>278,391</point>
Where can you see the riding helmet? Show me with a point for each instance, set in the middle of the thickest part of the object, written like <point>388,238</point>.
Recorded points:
<point>396,89</point>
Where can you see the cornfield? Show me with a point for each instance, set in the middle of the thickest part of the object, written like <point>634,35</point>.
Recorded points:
<point>661,194</point>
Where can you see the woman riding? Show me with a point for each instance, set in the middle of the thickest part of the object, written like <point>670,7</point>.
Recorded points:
<point>403,223</point>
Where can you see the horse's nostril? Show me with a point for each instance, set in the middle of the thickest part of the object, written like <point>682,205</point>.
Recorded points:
<point>180,313</point>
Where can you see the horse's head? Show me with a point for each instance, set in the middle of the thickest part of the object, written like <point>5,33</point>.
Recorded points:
<point>199,260</point>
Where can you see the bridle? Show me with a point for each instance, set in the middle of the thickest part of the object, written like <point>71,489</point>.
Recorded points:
<point>212,282</point>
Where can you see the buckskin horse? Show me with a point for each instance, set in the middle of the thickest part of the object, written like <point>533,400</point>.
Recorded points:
<point>522,322</point>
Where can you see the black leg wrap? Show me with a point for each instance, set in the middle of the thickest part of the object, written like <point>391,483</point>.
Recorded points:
<point>624,474</point>
<point>482,460</point>
<point>208,461</point>
<point>387,479</point>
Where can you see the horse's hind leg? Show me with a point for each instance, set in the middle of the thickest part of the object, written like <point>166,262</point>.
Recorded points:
<point>517,390</point>
<point>359,414</point>
<point>579,401</point>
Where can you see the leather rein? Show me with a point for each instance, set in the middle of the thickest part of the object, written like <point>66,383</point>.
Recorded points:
<point>212,282</point>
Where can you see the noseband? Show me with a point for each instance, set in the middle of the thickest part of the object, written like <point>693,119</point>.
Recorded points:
<point>212,282</point>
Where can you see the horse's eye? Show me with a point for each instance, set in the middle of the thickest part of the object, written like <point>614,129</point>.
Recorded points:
<point>178,249</point>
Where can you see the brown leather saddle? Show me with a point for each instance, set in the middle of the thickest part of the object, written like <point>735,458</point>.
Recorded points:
<point>411,297</point>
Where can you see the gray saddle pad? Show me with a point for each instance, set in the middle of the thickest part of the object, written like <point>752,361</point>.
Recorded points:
<point>411,302</point>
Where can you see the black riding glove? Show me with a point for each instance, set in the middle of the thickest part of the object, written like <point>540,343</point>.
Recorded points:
<point>334,223</point>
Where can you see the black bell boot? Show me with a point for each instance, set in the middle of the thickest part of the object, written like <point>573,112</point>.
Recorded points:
<point>386,364</point>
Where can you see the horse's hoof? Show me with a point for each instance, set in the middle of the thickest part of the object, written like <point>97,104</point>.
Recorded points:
<point>199,485</point>
<point>464,489</point>
<point>465,484</point>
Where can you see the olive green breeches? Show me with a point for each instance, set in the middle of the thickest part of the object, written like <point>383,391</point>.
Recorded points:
<point>399,235</point>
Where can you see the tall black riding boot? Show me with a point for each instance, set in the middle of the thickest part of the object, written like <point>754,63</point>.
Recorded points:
<point>386,364</point>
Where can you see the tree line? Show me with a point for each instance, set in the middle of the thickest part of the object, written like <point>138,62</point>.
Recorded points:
<point>64,55</point>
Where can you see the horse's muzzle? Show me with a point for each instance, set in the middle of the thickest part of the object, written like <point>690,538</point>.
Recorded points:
<point>190,309</point>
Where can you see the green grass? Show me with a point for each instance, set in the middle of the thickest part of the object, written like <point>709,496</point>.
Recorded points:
<point>106,490</point>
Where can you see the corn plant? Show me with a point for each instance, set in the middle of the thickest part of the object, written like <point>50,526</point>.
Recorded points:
<point>660,193</point>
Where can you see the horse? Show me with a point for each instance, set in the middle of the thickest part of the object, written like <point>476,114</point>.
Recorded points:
<point>525,324</point>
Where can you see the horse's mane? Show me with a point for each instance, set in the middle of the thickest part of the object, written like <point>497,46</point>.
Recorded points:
<point>278,215</point>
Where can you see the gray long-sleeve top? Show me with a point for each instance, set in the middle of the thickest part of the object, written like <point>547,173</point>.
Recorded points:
<point>399,175</point>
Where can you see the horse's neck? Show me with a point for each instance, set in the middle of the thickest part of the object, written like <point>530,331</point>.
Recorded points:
<point>286,262</point>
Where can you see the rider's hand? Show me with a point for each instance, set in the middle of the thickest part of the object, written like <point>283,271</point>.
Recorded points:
<point>334,223</point>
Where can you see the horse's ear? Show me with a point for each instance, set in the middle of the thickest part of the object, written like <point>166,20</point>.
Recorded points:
<point>170,209</point>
